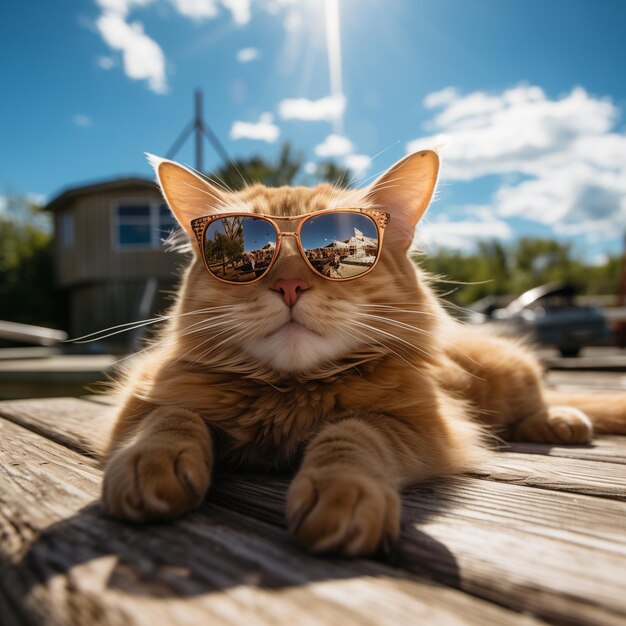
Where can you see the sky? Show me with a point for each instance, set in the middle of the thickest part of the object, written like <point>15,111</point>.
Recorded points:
<point>524,100</point>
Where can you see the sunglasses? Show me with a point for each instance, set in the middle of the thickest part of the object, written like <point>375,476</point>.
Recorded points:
<point>338,244</point>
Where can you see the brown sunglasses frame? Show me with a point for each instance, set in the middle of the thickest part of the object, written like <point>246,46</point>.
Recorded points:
<point>200,224</point>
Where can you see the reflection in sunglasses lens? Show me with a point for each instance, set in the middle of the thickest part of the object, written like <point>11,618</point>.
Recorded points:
<point>239,248</point>
<point>340,245</point>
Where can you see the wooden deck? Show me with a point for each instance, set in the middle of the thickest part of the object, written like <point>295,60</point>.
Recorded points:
<point>539,536</point>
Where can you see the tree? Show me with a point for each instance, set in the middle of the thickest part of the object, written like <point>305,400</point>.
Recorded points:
<point>26,264</point>
<point>286,170</point>
<point>494,269</point>
<point>224,247</point>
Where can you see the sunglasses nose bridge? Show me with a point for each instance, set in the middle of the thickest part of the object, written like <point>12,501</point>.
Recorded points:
<point>289,261</point>
<point>288,244</point>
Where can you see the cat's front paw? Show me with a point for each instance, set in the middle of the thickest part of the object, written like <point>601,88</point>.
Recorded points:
<point>155,481</point>
<point>352,515</point>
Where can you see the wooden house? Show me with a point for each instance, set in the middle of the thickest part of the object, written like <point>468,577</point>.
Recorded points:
<point>111,265</point>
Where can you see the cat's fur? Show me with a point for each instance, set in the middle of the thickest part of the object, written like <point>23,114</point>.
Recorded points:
<point>375,388</point>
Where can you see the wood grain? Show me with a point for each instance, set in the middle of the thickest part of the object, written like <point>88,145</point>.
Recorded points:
<point>80,425</point>
<point>607,448</point>
<point>63,562</point>
<point>596,478</point>
<point>557,555</point>
<point>514,536</point>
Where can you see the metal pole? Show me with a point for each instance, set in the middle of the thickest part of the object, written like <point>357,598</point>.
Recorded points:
<point>216,143</point>
<point>171,153</point>
<point>198,128</point>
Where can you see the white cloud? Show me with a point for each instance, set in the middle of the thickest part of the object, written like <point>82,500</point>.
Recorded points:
<point>106,63</point>
<point>240,10</point>
<point>358,163</point>
<point>142,57</point>
<point>462,235</point>
<point>334,146</point>
<point>561,161</point>
<point>245,55</point>
<point>328,108</point>
<point>199,10</point>
<point>438,98</point>
<point>293,23</point>
<point>263,130</point>
<point>310,167</point>
<point>121,7</point>
<point>81,120</point>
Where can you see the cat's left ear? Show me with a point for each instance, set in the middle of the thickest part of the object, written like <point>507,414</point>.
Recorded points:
<point>405,191</point>
<point>187,194</point>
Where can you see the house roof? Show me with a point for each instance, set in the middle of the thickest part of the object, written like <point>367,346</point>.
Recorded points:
<point>105,185</point>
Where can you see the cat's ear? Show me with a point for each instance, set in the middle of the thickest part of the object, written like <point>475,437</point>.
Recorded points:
<point>187,194</point>
<point>405,191</point>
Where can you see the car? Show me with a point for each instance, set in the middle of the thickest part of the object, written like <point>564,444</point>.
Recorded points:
<point>550,316</point>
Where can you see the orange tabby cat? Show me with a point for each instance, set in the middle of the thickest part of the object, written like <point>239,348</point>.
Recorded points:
<point>364,386</point>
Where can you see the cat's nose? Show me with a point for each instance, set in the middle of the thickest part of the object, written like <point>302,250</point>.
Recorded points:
<point>290,289</point>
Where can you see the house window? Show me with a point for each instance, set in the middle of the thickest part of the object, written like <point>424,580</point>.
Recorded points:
<point>66,229</point>
<point>143,224</point>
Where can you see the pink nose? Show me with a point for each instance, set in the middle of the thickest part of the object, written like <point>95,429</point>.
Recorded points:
<point>290,288</point>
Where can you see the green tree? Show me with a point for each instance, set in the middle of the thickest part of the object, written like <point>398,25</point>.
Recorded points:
<point>26,264</point>
<point>224,248</point>
<point>285,170</point>
<point>495,269</point>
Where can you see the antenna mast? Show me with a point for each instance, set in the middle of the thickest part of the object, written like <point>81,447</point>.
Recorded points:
<point>200,129</point>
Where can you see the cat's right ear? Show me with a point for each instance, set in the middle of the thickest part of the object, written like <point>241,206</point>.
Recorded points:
<point>187,194</point>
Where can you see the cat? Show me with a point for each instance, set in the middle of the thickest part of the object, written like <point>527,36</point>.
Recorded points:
<point>361,387</point>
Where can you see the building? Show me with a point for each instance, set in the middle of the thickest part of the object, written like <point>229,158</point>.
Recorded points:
<point>111,266</point>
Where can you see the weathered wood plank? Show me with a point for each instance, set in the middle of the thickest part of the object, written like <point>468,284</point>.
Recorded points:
<point>606,448</point>
<point>80,425</point>
<point>560,556</point>
<point>594,478</point>
<point>63,562</point>
<point>84,426</point>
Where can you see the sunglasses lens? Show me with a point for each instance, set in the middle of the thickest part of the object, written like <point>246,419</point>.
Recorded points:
<point>239,248</point>
<point>340,244</point>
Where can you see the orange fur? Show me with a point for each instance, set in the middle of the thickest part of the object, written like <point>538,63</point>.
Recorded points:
<point>381,389</point>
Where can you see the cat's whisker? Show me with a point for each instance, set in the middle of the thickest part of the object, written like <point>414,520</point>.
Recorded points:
<point>372,159</point>
<point>393,309</point>
<point>207,328</point>
<point>199,345</point>
<point>397,323</point>
<point>387,349</point>
<point>232,201</point>
<point>126,326</point>
<point>415,329</point>
<point>214,179</point>
<point>240,335</point>
<point>129,326</point>
<point>385,333</point>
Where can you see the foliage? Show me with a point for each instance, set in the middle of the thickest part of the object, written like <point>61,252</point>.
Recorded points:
<point>26,267</point>
<point>286,170</point>
<point>224,247</point>
<point>496,270</point>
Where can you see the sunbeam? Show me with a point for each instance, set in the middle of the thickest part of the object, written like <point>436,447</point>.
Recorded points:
<point>333,48</point>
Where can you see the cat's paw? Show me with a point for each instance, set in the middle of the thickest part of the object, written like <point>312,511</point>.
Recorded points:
<point>158,481</point>
<point>559,424</point>
<point>351,515</point>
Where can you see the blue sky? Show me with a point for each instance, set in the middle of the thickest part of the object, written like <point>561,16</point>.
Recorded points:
<point>525,100</point>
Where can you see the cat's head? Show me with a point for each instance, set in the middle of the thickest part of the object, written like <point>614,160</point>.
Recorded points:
<point>293,321</point>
